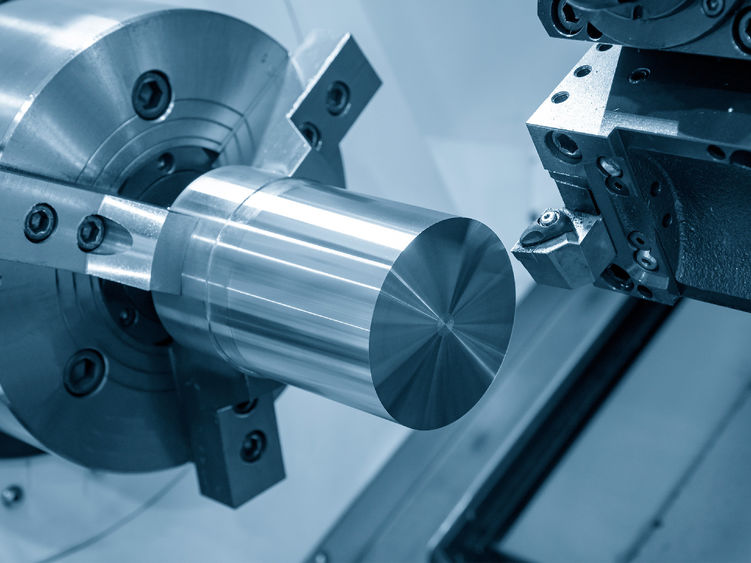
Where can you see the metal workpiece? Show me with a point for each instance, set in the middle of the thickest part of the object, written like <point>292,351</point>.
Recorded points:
<point>402,312</point>
<point>703,27</point>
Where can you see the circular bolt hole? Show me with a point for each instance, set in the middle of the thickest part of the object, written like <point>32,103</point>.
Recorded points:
<point>716,152</point>
<point>604,47</point>
<point>713,8</point>
<point>639,75</point>
<point>617,278</point>
<point>593,32</point>
<point>84,373</point>
<point>127,317</point>
<point>564,147</point>
<point>152,95</point>
<point>655,189</point>
<point>337,98</point>
<point>582,71</point>
<point>645,259</point>
<point>645,292</point>
<point>11,496</point>
<point>312,134</point>
<point>246,407</point>
<point>40,222</point>
<point>616,186</point>
<point>638,13</point>
<point>637,239</point>
<point>91,233</point>
<point>667,220</point>
<point>166,163</point>
<point>253,446</point>
<point>609,167</point>
<point>559,97</point>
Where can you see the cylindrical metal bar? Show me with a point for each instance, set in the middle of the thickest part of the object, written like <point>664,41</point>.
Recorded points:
<point>399,311</point>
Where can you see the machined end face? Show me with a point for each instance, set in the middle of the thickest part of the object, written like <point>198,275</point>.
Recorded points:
<point>441,324</point>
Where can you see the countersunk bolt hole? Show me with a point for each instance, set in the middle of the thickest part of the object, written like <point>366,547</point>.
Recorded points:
<point>617,278</point>
<point>253,446</point>
<point>166,163</point>
<point>337,98</point>
<point>593,32</point>
<point>645,259</point>
<point>559,97</point>
<point>40,222</point>
<point>645,292</point>
<point>582,71</point>
<point>12,495</point>
<point>602,47</point>
<point>716,152</point>
<point>616,186</point>
<point>152,95</point>
<point>639,75</point>
<point>246,407</point>
<point>312,134</point>
<point>84,372</point>
<point>637,239</point>
<point>91,233</point>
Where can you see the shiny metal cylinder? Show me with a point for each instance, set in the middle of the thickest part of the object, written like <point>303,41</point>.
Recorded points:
<point>399,311</point>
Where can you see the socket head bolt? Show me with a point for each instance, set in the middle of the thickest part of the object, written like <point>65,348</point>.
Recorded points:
<point>40,223</point>
<point>549,218</point>
<point>152,95</point>
<point>548,226</point>
<point>84,373</point>
<point>91,233</point>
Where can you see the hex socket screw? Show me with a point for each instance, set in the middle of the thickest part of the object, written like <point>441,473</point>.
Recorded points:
<point>91,233</point>
<point>40,222</point>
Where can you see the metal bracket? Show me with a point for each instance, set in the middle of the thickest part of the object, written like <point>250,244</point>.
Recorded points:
<point>231,426</point>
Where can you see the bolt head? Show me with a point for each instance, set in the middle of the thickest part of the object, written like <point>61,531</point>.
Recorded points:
<point>152,95</point>
<point>84,373</point>
<point>40,222</point>
<point>549,218</point>
<point>253,446</point>
<point>91,233</point>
